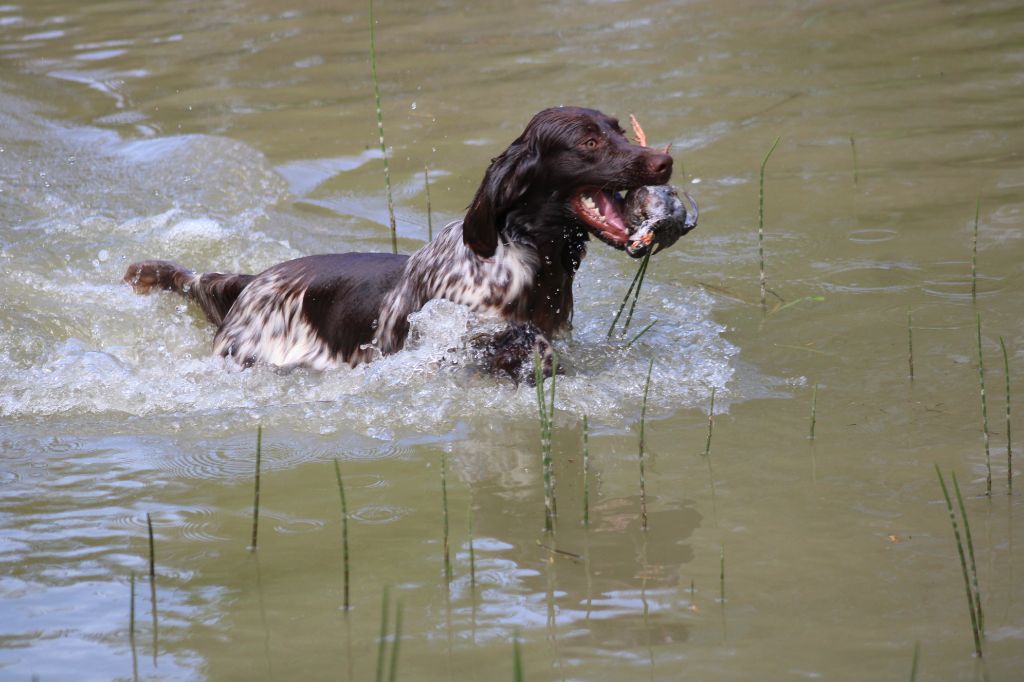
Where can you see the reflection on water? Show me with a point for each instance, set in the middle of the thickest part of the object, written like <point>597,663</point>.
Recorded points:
<point>231,136</point>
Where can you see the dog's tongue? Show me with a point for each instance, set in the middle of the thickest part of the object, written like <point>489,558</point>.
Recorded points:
<point>609,208</point>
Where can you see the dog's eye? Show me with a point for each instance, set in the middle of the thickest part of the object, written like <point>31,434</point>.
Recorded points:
<point>591,143</point>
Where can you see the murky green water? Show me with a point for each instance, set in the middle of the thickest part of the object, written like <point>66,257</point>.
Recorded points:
<point>233,135</point>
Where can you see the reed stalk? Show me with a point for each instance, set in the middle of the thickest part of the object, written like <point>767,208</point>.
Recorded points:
<point>430,219</point>
<point>970,553</point>
<point>256,487</point>
<point>152,548</point>
<point>984,413</point>
<point>131,629</point>
<point>974,252</point>
<point>963,564</point>
<point>344,532</point>
<point>1009,433</point>
<point>395,643</point>
<point>721,575</point>
<point>641,333</point>
<point>642,446</point>
<point>913,664</point>
<point>586,473</point>
<point>910,343</point>
<point>760,224</point>
<point>814,409</point>
<point>444,516</point>
<point>472,553</point>
<point>636,294</point>
<point>380,131</point>
<point>853,149</point>
<point>711,423</point>
<point>546,412</point>
<point>382,642</point>
<point>637,278</point>
<point>517,659</point>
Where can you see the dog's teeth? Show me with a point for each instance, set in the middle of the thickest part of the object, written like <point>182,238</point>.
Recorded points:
<point>589,203</point>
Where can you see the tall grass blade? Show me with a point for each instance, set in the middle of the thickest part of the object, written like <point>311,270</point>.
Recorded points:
<point>546,411</point>
<point>430,219</point>
<point>625,299</point>
<point>721,575</point>
<point>910,343</point>
<point>380,131</point>
<point>396,642</point>
<point>586,473</point>
<point>970,553</point>
<point>711,423</point>
<point>256,493</point>
<point>472,553</point>
<point>152,548</point>
<point>913,664</point>
<point>984,413</point>
<point>382,642</point>
<point>131,630</point>
<point>517,659</point>
<point>152,586</point>
<point>641,333</point>
<point>642,447</point>
<point>963,563</point>
<point>760,224</point>
<point>1009,433</point>
<point>444,516</point>
<point>344,531</point>
<point>974,252</point>
<point>636,293</point>
<point>853,149</point>
<point>814,409</point>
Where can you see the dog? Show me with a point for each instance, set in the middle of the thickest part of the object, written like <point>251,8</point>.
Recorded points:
<point>514,256</point>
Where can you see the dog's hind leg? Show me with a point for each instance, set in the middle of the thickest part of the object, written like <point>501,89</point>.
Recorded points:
<point>214,292</point>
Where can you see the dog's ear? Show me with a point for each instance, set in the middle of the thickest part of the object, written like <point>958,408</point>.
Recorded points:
<point>506,181</point>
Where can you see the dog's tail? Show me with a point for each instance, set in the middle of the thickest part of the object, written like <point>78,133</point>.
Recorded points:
<point>214,292</point>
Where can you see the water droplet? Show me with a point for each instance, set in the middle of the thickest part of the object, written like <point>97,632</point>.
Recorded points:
<point>413,106</point>
<point>103,255</point>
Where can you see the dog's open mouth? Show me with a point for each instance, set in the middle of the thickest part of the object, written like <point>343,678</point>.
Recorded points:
<point>602,211</point>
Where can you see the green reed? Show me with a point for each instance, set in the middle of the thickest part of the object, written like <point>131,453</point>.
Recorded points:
<point>152,583</point>
<point>430,219</point>
<point>853,150</point>
<point>1009,433</point>
<point>638,280</point>
<point>380,131</point>
<point>970,553</point>
<point>444,517</point>
<point>344,531</point>
<point>760,223</point>
<point>642,447</point>
<point>152,548</point>
<point>984,412</point>
<point>974,252</point>
<point>546,411</point>
<point>472,553</point>
<point>256,487</point>
<point>586,473</point>
<point>395,643</point>
<point>721,575</point>
<point>913,664</point>
<point>814,410</point>
<point>382,642</point>
<point>973,600</point>
<point>131,629</point>
<point>636,294</point>
<point>517,659</point>
<point>641,333</point>
<point>711,423</point>
<point>910,343</point>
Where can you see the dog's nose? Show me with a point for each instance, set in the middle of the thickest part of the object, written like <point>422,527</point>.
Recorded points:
<point>660,165</point>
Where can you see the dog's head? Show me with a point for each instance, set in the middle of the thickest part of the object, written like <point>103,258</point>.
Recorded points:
<point>572,157</point>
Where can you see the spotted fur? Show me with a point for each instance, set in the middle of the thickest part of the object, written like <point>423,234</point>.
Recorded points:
<point>513,257</point>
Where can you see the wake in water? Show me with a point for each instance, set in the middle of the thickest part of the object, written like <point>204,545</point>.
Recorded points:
<point>75,343</point>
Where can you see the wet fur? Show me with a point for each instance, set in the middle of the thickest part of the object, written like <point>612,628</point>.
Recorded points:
<point>514,256</point>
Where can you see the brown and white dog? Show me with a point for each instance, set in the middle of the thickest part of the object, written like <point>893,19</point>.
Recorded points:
<point>514,255</point>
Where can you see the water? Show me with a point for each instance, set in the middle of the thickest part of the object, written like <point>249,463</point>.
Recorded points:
<point>235,135</point>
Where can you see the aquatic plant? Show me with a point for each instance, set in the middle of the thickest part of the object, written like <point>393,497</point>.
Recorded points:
<point>380,132</point>
<point>973,597</point>
<point>760,222</point>
<point>344,532</point>
<point>984,412</point>
<point>256,489</point>
<point>642,446</point>
<point>1009,432</point>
